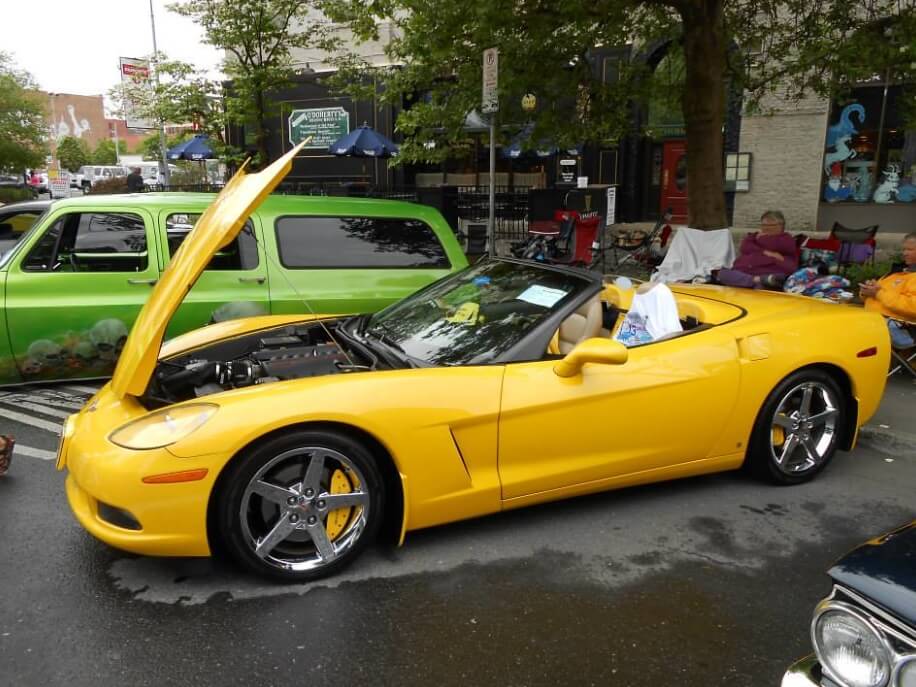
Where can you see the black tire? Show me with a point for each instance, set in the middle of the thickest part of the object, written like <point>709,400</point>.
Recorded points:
<point>816,432</point>
<point>282,463</point>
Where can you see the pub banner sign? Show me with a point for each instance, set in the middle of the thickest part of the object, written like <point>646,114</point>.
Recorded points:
<point>324,124</point>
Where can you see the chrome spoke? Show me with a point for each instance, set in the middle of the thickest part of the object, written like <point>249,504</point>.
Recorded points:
<point>805,409</point>
<point>280,531</point>
<point>788,447</point>
<point>272,492</point>
<point>323,545</point>
<point>312,478</point>
<point>824,416</point>
<point>811,449</point>
<point>784,421</point>
<point>349,500</point>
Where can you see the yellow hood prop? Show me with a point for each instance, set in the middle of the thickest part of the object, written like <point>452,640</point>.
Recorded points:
<point>215,229</point>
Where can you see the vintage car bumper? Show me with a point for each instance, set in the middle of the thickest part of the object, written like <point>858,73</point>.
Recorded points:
<point>109,497</point>
<point>805,672</point>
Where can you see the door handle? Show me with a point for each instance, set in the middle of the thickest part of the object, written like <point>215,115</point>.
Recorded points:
<point>252,280</point>
<point>148,282</point>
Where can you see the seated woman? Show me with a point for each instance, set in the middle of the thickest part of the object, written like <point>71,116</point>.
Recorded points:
<point>766,257</point>
<point>894,296</point>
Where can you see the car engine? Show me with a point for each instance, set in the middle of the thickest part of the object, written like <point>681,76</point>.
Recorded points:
<point>274,355</point>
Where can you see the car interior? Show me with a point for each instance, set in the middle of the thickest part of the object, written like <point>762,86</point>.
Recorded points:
<point>602,316</point>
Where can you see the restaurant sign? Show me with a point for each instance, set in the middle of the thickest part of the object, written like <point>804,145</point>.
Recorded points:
<point>325,125</point>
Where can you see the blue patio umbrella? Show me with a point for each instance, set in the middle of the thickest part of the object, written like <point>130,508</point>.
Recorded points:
<point>364,141</point>
<point>195,148</point>
<point>544,148</point>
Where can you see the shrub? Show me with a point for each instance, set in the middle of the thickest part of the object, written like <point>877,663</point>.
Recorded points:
<point>856,274</point>
<point>109,186</point>
<point>14,195</point>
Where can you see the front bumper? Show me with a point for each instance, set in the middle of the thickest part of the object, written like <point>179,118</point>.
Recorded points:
<point>104,477</point>
<point>805,672</point>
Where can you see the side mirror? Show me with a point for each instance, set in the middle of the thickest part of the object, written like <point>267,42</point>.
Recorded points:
<point>604,351</point>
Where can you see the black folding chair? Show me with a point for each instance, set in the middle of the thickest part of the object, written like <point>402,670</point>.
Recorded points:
<point>849,239</point>
<point>902,358</point>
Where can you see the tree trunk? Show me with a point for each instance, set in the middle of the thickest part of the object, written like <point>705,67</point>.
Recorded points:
<point>704,111</point>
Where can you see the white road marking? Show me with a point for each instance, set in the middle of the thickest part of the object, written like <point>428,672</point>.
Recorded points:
<point>33,421</point>
<point>42,409</point>
<point>64,402</point>
<point>91,390</point>
<point>34,452</point>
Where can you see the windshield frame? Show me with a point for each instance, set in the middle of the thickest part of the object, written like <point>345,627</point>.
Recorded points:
<point>533,344</point>
<point>8,256</point>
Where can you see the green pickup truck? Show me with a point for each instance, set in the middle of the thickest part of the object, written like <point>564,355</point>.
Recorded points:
<point>72,287</point>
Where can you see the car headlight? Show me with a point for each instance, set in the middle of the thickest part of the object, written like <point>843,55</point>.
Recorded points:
<point>850,649</point>
<point>164,427</point>
<point>906,673</point>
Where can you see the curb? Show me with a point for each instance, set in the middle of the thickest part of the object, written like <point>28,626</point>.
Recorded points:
<point>888,441</point>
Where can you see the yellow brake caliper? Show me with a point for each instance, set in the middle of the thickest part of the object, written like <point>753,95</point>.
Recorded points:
<point>338,519</point>
<point>778,434</point>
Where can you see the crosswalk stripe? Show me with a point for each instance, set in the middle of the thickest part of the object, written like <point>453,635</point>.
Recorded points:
<point>43,409</point>
<point>64,402</point>
<point>92,391</point>
<point>33,421</point>
<point>34,452</point>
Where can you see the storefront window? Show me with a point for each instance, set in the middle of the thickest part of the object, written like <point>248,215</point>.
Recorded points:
<point>870,154</point>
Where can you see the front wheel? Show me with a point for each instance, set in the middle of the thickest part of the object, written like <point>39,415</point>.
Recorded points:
<point>301,506</point>
<point>798,428</point>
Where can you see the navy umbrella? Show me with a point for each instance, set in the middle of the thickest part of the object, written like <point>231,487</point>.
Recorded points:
<point>195,148</point>
<point>544,148</point>
<point>364,141</point>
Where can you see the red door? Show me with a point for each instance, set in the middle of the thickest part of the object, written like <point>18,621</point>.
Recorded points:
<point>674,180</point>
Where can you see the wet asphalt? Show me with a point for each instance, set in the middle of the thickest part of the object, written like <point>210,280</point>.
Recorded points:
<point>705,581</point>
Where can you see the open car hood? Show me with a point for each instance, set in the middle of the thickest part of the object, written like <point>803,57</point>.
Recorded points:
<point>216,228</point>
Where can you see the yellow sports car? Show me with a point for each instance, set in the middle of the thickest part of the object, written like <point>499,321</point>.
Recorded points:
<point>289,441</point>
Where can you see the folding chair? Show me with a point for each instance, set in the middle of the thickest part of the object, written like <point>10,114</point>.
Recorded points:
<point>902,358</point>
<point>850,239</point>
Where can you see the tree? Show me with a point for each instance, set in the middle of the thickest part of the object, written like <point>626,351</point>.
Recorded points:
<point>73,153</point>
<point>149,146</point>
<point>23,128</point>
<point>258,37</point>
<point>183,95</point>
<point>104,153</point>
<point>751,46</point>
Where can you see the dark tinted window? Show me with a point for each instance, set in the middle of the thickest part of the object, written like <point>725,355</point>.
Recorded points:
<point>92,242</point>
<point>357,242</point>
<point>241,254</point>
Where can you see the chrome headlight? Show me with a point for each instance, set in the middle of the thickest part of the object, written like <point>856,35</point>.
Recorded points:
<point>906,672</point>
<point>849,647</point>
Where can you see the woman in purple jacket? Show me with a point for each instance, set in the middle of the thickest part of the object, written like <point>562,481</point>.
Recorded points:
<point>766,258</point>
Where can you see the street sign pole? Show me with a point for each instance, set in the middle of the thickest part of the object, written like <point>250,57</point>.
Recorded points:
<point>490,105</point>
<point>163,161</point>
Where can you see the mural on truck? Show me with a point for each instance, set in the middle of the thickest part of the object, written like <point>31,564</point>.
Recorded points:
<point>93,352</point>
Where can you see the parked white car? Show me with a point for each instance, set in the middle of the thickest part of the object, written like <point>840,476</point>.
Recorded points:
<point>92,174</point>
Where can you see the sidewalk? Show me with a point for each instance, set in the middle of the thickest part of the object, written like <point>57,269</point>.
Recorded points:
<point>893,428</point>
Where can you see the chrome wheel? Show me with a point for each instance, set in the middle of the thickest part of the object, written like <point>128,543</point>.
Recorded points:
<point>304,509</point>
<point>804,428</point>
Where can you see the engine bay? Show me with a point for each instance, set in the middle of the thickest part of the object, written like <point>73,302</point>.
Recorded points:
<point>262,357</point>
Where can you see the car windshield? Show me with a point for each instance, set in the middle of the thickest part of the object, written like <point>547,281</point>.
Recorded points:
<point>475,315</point>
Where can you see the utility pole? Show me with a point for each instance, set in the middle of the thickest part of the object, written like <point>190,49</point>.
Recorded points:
<point>163,162</point>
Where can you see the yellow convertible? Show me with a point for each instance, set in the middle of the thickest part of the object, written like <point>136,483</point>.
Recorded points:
<point>289,442</point>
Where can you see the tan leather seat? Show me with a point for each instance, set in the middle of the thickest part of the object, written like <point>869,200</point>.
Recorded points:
<point>583,324</point>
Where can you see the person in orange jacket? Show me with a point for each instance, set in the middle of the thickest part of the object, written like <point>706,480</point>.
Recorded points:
<point>894,296</point>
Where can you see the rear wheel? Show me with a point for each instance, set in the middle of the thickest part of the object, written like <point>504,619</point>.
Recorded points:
<point>798,428</point>
<point>301,506</point>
